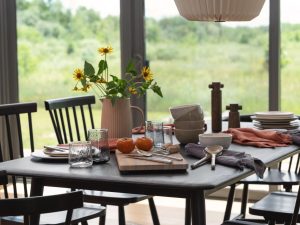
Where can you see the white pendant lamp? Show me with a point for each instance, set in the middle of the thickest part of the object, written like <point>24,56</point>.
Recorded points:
<point>219,10</point>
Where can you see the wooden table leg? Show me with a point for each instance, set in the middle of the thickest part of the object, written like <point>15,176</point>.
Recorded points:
<point>198,208</point>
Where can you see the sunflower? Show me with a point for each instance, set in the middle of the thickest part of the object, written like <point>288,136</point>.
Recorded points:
<point>132,90</point>
<point>75,88</point>
<point>105,50</point>
<point>86,87</point>
<point>147,74</point>
<point>78,74</point>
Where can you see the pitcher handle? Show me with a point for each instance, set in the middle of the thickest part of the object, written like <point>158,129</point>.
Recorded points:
<point>143,116</point>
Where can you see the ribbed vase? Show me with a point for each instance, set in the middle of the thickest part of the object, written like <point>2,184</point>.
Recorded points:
<point>117,118</point>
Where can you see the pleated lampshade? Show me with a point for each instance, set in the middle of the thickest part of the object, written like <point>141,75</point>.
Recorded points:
<point>219,10</point>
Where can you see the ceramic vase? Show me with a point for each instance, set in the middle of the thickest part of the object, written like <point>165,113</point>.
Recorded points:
<point>117,117</point>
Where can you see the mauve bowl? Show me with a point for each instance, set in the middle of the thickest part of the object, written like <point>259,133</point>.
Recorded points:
<point>222,139</point>
<point>187,112</point>
<point>188,136</point>
<point>189,125</point>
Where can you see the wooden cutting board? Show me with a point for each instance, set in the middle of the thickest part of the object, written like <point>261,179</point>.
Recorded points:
<point>131,164</point>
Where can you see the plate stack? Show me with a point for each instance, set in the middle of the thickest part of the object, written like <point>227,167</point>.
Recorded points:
<point>275,120</point>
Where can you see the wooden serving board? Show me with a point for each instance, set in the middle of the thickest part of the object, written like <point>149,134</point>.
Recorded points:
<point>130,164</point>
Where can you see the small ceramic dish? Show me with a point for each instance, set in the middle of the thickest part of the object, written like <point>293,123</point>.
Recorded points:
<point>222,139</point>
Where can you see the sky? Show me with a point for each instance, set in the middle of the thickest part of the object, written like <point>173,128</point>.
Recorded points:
<point>166,8</point>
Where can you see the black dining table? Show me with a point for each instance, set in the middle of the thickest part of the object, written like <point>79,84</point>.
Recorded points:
<point>194,185</point>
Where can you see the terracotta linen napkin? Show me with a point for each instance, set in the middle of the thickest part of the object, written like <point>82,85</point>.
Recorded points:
<point>138,130</point>
<point>112,143</point>
<point>141,129</point>
<point>230,158</point>
<point>259,138</point>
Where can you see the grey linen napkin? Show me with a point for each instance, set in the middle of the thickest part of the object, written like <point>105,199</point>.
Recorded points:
<point>230,158</point>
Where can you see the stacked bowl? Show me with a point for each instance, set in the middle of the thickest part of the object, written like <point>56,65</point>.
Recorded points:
<point>188,122</point>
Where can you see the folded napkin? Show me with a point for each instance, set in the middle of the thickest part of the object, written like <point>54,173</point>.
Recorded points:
<point>259,138</point>
<point>230,158</point>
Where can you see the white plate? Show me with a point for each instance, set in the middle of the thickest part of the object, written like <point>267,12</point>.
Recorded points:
<point>277,119</point>
<point>42,155</point>
<point>274,115</point>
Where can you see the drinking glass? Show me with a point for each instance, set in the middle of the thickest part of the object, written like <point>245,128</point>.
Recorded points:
<point>158,134</point>
<point>80,154</point>
<point>149,129</point>
<point>100,147</point>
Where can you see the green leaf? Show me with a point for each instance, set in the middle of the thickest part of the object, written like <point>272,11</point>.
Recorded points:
<point>88,69</point>
<point>83,82</point>
<point>131,68</point>
<point>102,66</point>
<point>156,89</point>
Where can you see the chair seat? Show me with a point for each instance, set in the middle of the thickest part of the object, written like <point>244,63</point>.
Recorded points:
<point>276,205</point>
<point>241,222</point>
<point>112,198</point>
<point>57,218</point>
<point>273,176</point>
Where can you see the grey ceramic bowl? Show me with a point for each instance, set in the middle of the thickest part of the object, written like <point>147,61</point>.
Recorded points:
<point>222,139</point>
<point>187,112</point>
<point>188,136</point>
<point>189,125</point>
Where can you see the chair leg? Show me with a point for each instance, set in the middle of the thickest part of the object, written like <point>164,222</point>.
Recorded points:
<point>102,218</point>
<point>188,213</point>
<point>153,211</point>
<point>229,203</point>
<point>244,200</point>
<point>122,220</point>
<point>271,222</point>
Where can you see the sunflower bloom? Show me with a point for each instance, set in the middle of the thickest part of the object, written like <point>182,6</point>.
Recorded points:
<point>105,50</point>
<point>101,81</point>
<point>86,88</point>
<point>78,74</point>
<point>147,74</point>
<point>75,88</point>
<point>132,90</point>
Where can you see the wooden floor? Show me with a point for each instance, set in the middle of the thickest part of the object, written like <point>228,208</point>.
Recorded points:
<point>170,211</point>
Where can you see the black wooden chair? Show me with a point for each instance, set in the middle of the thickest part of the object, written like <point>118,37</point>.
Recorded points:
<point>287,177</point>
<point>10,115</point>
<point>276,207</point>
<point>31,210</point>
<point>65,119</point>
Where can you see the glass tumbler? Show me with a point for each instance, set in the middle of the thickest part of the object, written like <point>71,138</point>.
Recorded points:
<point>158,134</point>
<point>99,143</point>
<point>149,129</point>
<point>80,154</point>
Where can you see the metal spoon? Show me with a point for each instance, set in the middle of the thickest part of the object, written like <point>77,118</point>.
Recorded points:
<point>201,161</point>
<point>213,150</point>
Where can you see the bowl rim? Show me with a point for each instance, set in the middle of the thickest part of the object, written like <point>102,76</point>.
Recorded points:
<point>188,130</point>
<point>215,135</point>
<point>183,106</point>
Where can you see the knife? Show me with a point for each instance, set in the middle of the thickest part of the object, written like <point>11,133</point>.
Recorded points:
<point>167,161</point>
<point>59,149</point>
<point>167,156</point>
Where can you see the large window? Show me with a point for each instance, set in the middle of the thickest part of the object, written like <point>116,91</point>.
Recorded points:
<point>187,56</point>
<point>290,57</point>
<point>54,38</point>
